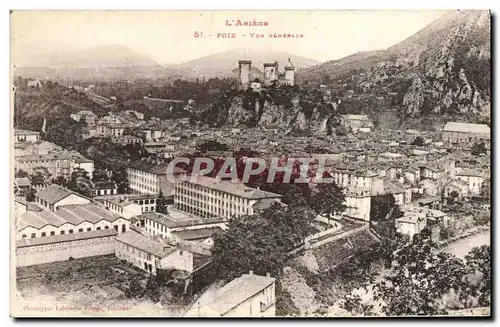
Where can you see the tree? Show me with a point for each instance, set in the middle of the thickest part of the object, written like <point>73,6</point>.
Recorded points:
<point>135,289</point>
<point>21,174</point>
<point>161,204</point>
<point>119,176</point>
<point>261,241</point>
<point>100,175</point>
<point>355,305</point>
<point>212,146</point>
<point>418,141</point>
<point>479,261</point>
<point>153,289</point>
<point>80,182</point>
<point>30,194</point>
<point>60,181</point>
<point>381,206</point>
<point>419,279</point>
<point>40,176</point>
<point>452,197</point>
<point>327,199</point>
<point>478,148</point>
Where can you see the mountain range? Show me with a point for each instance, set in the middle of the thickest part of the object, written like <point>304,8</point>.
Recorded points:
<point>121,62</point>
<point>226,63</point>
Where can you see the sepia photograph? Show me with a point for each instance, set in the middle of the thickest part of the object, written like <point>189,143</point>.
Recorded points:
<point>276,164</point>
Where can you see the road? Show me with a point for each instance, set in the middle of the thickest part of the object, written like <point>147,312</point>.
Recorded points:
<point>461,247</point>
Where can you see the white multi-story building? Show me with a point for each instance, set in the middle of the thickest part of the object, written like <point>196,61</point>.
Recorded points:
<point>146,202</point>
<point>57,164</point>
<point>122,207</point>
<point>466,135</point>
<point>212,197</point>
<point>150,176</point>
<point>357,206</point>
<point>163,225</point>
<point>149,254</point>
<point>364,182</point>
<point>473,178</point>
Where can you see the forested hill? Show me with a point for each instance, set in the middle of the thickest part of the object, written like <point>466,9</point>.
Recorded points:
<point>55,103</point>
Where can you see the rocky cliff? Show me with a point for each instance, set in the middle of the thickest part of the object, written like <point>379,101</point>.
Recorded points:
<point>287,109</point>
<point>445,69</point>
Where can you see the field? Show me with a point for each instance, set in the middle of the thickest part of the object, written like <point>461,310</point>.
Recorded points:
<point>93,285</point>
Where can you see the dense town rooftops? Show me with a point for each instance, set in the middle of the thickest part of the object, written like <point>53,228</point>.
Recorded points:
<point>237,189</point>
<point>145,243</point>
<point>237,291</point>
<point>26,242</point>
<point>466,128</point>
<point>73,214</point>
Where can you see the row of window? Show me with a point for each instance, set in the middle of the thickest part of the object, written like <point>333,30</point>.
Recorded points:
<point>147,201</point>
<point>135,251</point>
<point>205,213</point>
<point>218,204</point>
<point>148,188</point>
<point>71,231</point>
<point>145,179</point>
<point>156,225</point>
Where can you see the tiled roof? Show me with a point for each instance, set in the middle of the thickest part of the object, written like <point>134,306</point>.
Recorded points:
<point>197,234</point>
<point>54,193</point>
<point>65,238</point>
<point>73,214</point>
<point>237,189</point>
<point>145,243</point>
<point>171,222</point>
<point>24,131</point>
<point>237,291</point>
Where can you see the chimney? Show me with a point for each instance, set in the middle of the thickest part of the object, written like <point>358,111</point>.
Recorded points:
<point>250,272</point>
<point>268,274</point>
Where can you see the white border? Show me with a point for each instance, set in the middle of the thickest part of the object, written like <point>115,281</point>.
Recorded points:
<point>190,5</point>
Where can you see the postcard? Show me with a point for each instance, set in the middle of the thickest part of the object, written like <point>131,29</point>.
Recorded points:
<point>250,163</point>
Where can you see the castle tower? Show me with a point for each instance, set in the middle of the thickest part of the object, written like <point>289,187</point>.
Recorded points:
<point>244,74</point>
<point>289,73</point>
<point>270,72</point>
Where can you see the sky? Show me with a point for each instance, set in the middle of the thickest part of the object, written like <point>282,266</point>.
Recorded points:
<point>168,37</point>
